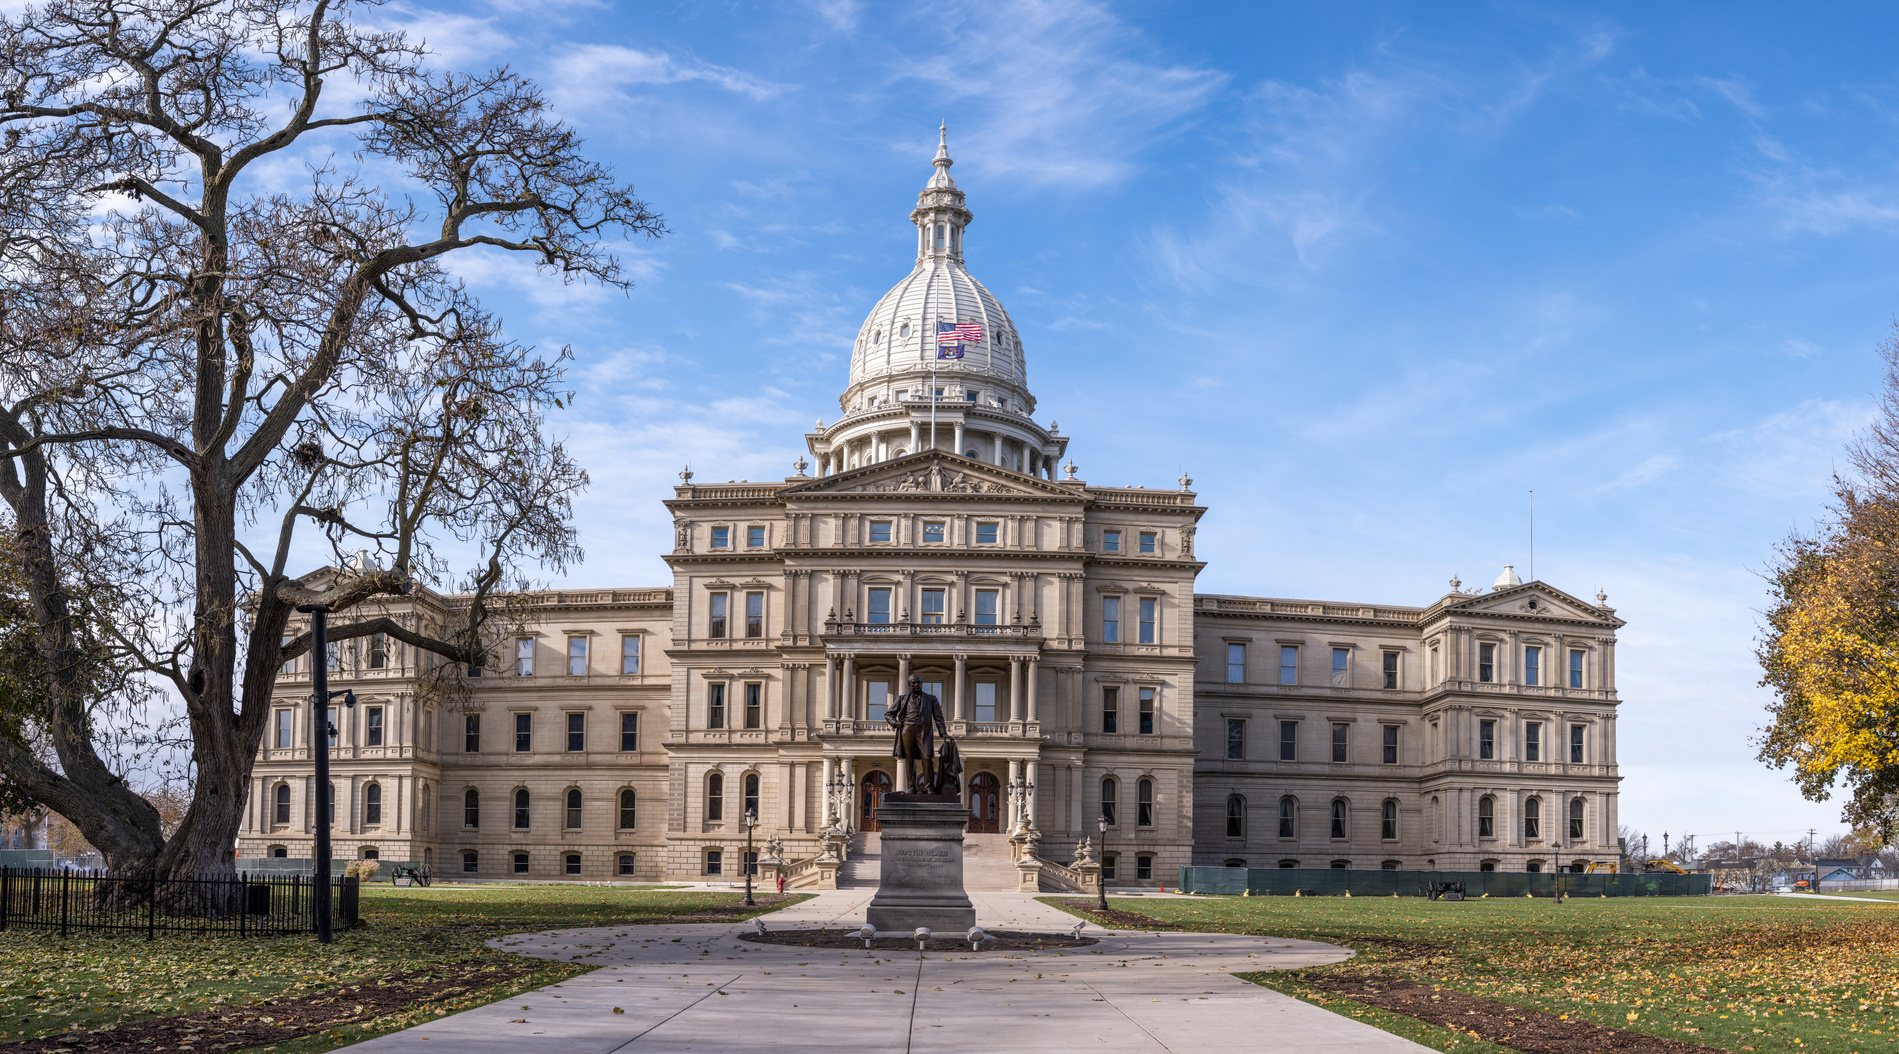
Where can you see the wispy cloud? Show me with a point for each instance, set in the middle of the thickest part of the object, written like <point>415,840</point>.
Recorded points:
<point>591,75</point>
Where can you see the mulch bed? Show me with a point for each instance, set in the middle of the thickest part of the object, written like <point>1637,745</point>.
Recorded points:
<point>995,941</point>
<point>1532,1031</point>
<point>273,1021</point>
<point>1118,919</point>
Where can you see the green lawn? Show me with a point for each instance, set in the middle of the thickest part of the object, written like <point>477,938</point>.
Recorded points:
<point>1767,974</point>
<point>49,984</point>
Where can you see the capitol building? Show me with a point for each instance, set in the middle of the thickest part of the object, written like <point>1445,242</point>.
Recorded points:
<point>935,531</point>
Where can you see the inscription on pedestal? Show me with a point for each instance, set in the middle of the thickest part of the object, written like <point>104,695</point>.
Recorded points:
<point>922,880</point>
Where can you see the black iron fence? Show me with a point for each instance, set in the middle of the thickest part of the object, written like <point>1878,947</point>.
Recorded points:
<point>95,902</point>
<point>1334,882</point>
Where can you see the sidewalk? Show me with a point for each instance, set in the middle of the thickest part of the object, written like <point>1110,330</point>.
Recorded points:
<point>699,988</point>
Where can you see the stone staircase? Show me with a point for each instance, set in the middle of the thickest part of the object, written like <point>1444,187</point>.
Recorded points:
<point>865,865</point>
<point>989,863</point>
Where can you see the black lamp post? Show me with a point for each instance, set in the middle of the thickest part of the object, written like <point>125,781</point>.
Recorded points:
<point>751,822</point>
<point>1101,887</point>
<point>1556,852</point>
<point>320,749</point>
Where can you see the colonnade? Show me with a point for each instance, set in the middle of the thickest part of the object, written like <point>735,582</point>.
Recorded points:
<point>879,447</point>
<point>840,692</point>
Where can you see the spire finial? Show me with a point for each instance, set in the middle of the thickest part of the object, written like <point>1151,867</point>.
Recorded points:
<point>942,162</point>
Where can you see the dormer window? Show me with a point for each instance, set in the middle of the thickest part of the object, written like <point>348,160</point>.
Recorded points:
<point>939,235</point>
<point>904,331</point>
<point>969,397</point>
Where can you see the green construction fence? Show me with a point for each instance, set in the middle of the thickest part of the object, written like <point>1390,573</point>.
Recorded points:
<point>1338,882</point>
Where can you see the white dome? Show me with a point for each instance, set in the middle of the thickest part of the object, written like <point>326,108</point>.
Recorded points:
<point>1507,579</point>
<point>900,334</point>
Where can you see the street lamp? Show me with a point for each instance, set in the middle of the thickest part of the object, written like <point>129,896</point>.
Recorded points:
<point>751,822</point>
<point>1101,886</point>
<point>320,749</point>
<point>1556,854</point>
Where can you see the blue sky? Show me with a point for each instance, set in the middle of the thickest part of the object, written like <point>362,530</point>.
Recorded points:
<point>1369,272</point>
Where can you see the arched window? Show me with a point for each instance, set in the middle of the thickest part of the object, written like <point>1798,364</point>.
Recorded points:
<point>329,811</point>
<point>1338,817</point>
<point>751,794</point>
<point>1486,817</point>
<point>1388,819</point>
<point>428,797</point>
<point>1288,817</point>
<point>1235,817</point>
<point>1144,803</point>
<point>1107,800</point>
<point>573,809</point>
<point>627,812</point>
<point>471,808</point>
<point>372,804</point>
<point>715,798</point>
<point>283,803</point>
<point>1533,818</point>
<point>1575,819</point>
<point>521,809</point>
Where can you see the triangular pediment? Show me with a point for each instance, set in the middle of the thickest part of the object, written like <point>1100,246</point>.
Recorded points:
<point>932,473</point>
<point>1533,600</point>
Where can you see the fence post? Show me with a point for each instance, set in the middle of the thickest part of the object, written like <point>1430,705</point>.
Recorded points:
<point>65,889</point>
<point>243,902</point>
<point>6,890</point>
<point>151,902</point>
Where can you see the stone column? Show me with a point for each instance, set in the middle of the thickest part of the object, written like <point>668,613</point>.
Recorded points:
<point>914,436</point>
<point>828,770</point>
<point>847,691</point>
<point>998,452</point>
<point>903,674</point>
<point>1015,688</point>
<point>1033,713</point>
<point>962,671</point>
<point>1015,803</point>
<point>959,437</point>
<point>787,791</point>
<point>830,687</point>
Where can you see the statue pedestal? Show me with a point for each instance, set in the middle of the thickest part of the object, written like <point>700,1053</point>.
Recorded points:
<point>922,879</point>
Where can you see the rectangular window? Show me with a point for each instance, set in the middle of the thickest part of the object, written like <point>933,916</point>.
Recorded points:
<point>1110,619</point>
<point>985,701</point>
<point>755,537</point>
<point>573,863</point>
<point>1341,667</point>
<point>1288,664</point>
<point>986,533</point>
<point>986,607</point>
<point>877,702</point>
<point>714,862</point>
<point>524,657</point>
<point>1143,868</point>
<point>576,732</point>
<point>1391,669</point>
<point>754,614</point>
<point>471,734</point>
<point>286,729</point>
<point>629,732</point>
<point>626,863</point>
<point>754,705</point>
<point>372,726</point>
<point>576,656</point>
<point>1391,744</point>
<point>1148,604</point>
<point>721,537</point>
<point>879,611</point>
<point>1533,741</point>
<point>1147,711</point>
<point>1107,865</point>
<point>1532,665</point>
<point>880,530</point>
<point>715,705</point>
<point>715,626</point>
<point>1487,740</point>
<point>1235,739</point>
<point>1147,541</point>
<point>334,652</point>
<point>289,666</point>
<point>1486,662</point>
<point>933,607</point>
<point>629,654</point>
<point>1575,669</point>
<point>1110,541</point>
<point>471,863</point>
<point>378,650</point>
<point>1111,710</point>
<point>523,733</point>
<point>1575,744</point>
<point>1341,742</point>
<point>932,531</point>
<point>1288,740</point>
<point>1236,664</point>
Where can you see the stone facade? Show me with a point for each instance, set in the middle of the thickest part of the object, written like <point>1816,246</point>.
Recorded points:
<point>631,731</point>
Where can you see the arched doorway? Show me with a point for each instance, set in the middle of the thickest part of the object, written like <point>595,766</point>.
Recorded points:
<point>876,785</point>
<point>984,791</point>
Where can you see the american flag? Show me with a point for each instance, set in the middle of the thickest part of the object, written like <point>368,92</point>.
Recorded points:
<point>959,333</point>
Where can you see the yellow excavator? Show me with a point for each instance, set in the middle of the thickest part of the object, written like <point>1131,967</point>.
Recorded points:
<point>1600,865</point>
<point>1663,865</point>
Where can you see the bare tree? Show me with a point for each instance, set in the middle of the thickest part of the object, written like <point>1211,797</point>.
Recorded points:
<point>208,372</point>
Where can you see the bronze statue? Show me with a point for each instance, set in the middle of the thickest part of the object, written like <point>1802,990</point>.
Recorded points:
<point>914,714</point>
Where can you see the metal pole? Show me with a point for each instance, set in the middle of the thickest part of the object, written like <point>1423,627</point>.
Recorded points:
<point>1101,874</point>
<point>751,821</point>
<point>320,749</point>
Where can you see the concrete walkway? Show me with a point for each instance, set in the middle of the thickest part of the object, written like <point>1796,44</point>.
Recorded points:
<point>700,988</point>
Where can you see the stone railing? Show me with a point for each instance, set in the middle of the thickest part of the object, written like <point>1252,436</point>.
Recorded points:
<point>1206,602</point>
<point>841,628</point>
<point>1061,878</point>
<point>812,872</point>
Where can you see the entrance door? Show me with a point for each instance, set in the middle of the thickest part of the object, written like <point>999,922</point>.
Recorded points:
<point>876,785</point>
<point>984,790</point>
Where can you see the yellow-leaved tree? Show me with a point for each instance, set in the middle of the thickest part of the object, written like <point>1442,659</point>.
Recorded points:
<point>1830,647</point>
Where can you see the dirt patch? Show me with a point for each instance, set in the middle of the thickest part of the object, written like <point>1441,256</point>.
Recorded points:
<point>995,941</point>
<point>1116,918</point>
<point>273,1021</point>
<point>1532,1031</point>
<point>1397,950</point>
